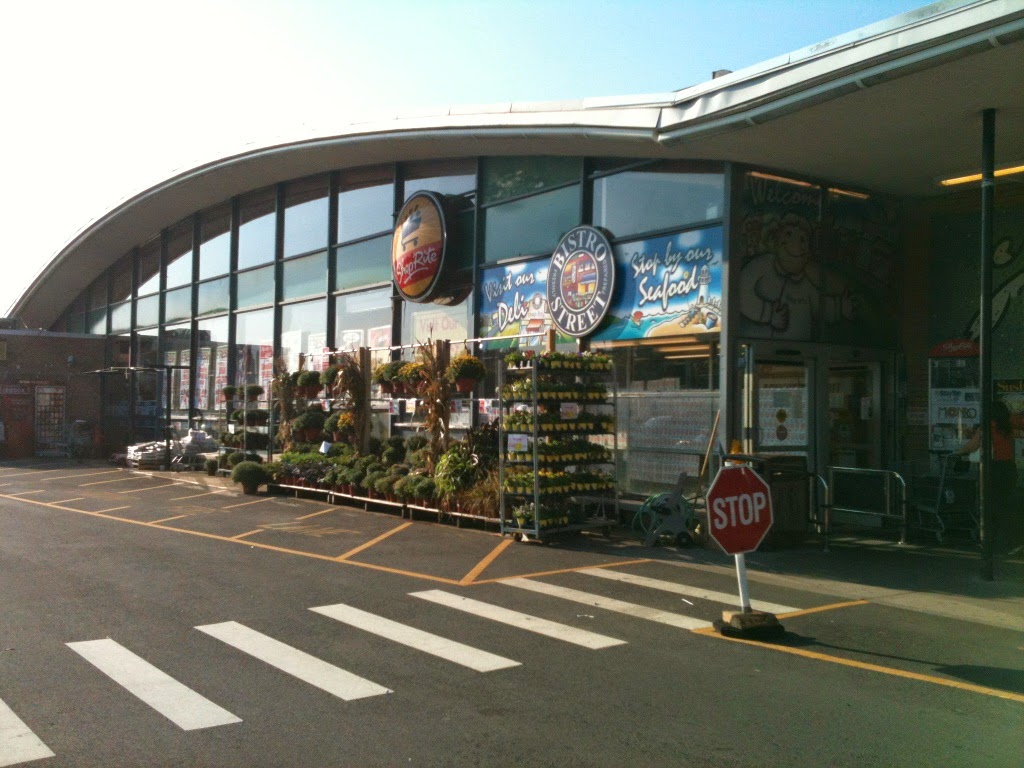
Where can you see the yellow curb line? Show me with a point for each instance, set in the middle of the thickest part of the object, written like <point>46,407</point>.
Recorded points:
<point>711,632</point>
<point>821,608</point>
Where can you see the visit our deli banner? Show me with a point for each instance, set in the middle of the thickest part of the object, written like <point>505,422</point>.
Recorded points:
<point>418,247</point>
<point>513,302</point>
<point>667,286</point>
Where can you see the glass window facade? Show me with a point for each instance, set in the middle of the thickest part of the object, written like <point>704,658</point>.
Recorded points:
<point>305,216</point>
<point>303,331</point>
<point>257,228</point>
<point>513,213</point>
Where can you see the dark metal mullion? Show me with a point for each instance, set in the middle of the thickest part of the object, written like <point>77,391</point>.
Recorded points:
<point>398,187</point>
<point>333,186</point>
<point>278,267</point>
<point>193,347</point>
<point>236,208</point>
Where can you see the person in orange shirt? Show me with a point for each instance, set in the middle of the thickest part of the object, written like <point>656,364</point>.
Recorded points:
<point>1004,473</point>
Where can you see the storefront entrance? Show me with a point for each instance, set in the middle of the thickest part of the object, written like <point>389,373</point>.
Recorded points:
<point>823,403</point>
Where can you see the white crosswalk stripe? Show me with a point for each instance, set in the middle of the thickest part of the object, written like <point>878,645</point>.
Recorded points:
<point>296,663</point>
<point>178,703</point>
<point>609,604</point>
<point>525,621</point>
<point>17,742</point>
<point>467,656</point>
<point>683,589</point>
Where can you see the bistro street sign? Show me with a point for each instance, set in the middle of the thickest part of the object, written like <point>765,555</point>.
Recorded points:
<point>581,278</point>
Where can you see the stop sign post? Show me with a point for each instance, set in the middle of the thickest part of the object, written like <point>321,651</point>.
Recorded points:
<point>739,516</point>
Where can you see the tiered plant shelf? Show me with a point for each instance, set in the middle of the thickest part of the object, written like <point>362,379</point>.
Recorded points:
<point>557,444</point>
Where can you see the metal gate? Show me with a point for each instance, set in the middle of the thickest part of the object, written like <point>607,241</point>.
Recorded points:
<point>50,429</point>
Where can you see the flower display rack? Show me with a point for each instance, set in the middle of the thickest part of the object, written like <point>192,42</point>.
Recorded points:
<point>558,444</point>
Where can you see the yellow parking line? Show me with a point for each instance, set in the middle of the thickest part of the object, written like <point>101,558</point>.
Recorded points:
<point>243,535</point>
<point>84,474</point>
<point>104,511</point>
<point>562,570</point>
<point>67,501</point>
<point>871,667</point>
<point>315,514</point>
<point>372,542</point>
<point>821,608</point>
<point>197,495</point>
<point>482,565</point>
<point>166,519</point>
<point>153,488</point>
<point>247,503</point>
<point>116,480</point>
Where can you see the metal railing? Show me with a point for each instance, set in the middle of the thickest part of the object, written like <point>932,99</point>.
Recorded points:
<point>889,504</point>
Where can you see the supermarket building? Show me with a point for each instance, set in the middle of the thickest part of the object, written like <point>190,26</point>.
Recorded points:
<point>791,274</point>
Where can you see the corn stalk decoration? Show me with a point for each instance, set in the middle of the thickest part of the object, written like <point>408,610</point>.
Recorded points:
<point>437,398</point>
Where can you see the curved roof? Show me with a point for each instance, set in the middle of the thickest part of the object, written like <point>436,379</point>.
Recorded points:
<point>892,107</point>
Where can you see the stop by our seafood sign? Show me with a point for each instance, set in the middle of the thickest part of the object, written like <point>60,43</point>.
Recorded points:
<point>739,510</point>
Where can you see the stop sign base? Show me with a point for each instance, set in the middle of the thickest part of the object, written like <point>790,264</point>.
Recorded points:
<point>750,625</point>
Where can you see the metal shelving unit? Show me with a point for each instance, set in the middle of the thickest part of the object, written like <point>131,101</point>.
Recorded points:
<point>557,448</point>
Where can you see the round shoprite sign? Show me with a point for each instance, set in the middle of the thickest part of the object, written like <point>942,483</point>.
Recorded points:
<point>581,278</point>
<point>418,247</point>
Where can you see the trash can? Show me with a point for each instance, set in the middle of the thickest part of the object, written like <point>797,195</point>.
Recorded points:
<point>788,479</point>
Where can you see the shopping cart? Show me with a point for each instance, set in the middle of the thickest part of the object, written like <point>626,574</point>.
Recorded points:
<point>948,502</point>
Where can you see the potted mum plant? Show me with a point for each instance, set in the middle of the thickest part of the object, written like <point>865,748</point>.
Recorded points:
<point>413,376</point>
<point>229,392</point>
<point>465,371</point>
<point>250,476</point>
<point>309,383</point>
<point>309,424</point>
<point>341,425</point>
<point>253,392</point>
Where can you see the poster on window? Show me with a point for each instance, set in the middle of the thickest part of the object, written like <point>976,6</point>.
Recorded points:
<point>186,380</point>
<point>203,379</point>
<point>513,302</point>
<point>782,417</point>
<point>221,379</point>
<point>266,375</point>
<point>666,286</point>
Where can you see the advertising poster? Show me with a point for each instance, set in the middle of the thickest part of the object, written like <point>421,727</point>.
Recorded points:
<point>203,379</point>
<point>186,380</point>
<point>221,379</point>
<point>667,286</point>
<point>266,365</point>
<point>513,302</point>
<point>1011,392</point>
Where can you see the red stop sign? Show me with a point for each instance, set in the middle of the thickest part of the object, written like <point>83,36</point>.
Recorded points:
<point>739,509</point>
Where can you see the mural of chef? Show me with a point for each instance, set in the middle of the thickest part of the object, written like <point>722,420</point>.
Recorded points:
<point>785,290</point>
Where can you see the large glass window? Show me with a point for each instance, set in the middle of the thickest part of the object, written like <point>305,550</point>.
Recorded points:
<point>121,279</point>
<point>175,345</point>
<point>212,363</point>
<point>255,287</point>
<point>366,203</point>
<point>506,177</point>
<point>215,247</point>
<point>179,255</point>
<point>178,304</point>
<point>147,311</point>
<point>121,317</point>
<point>257,228</point>
<point>430,322</point>
<point>530,226</point>
<point>96,321</point>
<point>149,267</point>
<point>254,346</point>
<point>665,196</point>
<point>446,177</point>
<point>214,296</point>
<point>305,216</point>
<point>363,320</point>
<point>305,276</point>
<point>363,263</point>
<point>303,330</point>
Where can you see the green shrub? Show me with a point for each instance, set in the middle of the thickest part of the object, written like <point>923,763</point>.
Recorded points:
<point>455,471</point>
<point>250,475</point>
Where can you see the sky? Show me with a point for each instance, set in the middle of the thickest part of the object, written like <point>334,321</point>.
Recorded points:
<point>103,99</point>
